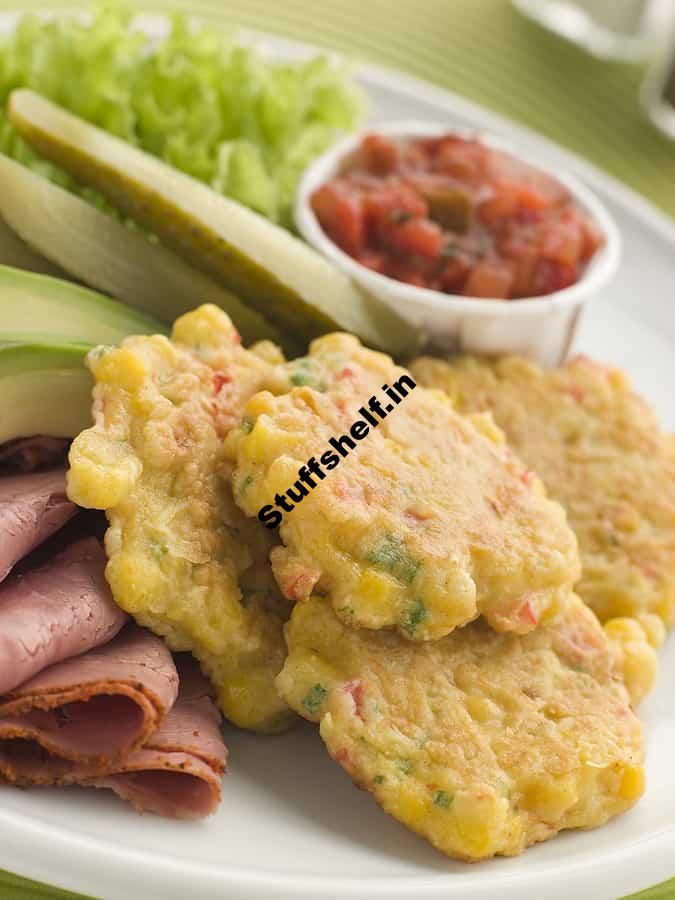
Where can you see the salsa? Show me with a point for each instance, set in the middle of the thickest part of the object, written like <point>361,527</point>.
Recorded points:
<point>452,214</point>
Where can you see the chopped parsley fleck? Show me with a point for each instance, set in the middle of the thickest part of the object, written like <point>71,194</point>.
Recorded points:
<point>314,698</point>
<point>404,765</point>
<point>244,485</point>
<point>306,379</point>
<point>378,779</point>
<point>347,610</point>
<point>416,616</point>
<point>246,425</point>
<point>158,550</point>
<point>442,799</point>
<point>392,555</point>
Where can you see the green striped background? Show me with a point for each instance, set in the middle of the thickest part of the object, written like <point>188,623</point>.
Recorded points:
<point>487,52</point>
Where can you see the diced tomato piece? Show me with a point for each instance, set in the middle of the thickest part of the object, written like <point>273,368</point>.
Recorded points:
<point>324,199</point>
<point>387,207</point>
<point>379,154</point>
<point>562,242</point>
<point>530,198</point>
<point>461,158</point>
<point>419,237</point>
<point>504,204</point>
<point>371,259</point>
<point>524,261</point>
<point>430,145</point>
<point>340,212</point>
<point>510,230</point>
<point>402,271</point>
<point>491,278</point>
<point>549,276</point>
<point>413,157</point>
<point>454,273</point>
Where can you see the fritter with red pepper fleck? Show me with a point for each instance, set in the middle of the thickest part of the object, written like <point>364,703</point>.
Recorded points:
<point>599,450</point>
<point>411,517</point>
<point>483,743</point>
<point>182,559</point>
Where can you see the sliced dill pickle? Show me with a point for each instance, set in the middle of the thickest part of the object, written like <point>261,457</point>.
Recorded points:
<point>284,279</point>
<point>105,254</point>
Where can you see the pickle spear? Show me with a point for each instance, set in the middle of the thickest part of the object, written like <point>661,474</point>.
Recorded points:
<point>285,280</point>
<point>105,254</point>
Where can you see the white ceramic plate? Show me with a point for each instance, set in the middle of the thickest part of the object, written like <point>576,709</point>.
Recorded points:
<point>291,825</point>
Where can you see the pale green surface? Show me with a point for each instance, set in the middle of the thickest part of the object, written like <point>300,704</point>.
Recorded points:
<point>485,51</point>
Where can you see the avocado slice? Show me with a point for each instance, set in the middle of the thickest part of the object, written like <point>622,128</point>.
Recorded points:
<point>100,251</point>
<point>288,282</point>
<point>44,389</point>
<point>16,252</point>
<point>36,306</point>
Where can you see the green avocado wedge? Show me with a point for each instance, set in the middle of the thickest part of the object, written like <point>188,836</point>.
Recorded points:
<point>285,280</point>
<point>16,252</point>
<point>100,251</point>
<point>37,307</point>
<point>44,389</point>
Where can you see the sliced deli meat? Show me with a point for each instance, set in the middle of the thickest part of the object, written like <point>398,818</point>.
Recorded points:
<point>32,508</point>
<point>176,773</point>
<point>29,454</point>
<point>94,709</point>
<point>57,611</point>
<point>179,770</point>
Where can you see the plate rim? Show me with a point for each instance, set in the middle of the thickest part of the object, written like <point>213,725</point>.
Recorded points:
<point>127,870</point>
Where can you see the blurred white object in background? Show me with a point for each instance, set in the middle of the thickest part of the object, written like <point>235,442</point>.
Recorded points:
<point>658,91</point>
<point>610,29</point>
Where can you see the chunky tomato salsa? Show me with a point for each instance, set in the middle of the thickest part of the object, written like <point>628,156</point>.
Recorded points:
<point>452,214</point>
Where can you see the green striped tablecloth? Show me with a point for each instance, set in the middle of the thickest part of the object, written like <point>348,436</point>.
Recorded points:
<point>487,52</point>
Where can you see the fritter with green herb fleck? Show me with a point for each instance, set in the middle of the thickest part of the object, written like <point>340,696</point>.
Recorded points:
<point>600,451</point>
<point>402,512</point>
<point>483,743</point>
<point>183,560</point>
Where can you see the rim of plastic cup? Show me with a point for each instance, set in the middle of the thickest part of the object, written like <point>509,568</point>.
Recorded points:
<point>598,272</point>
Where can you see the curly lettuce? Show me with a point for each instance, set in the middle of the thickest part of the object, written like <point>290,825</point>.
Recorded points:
<point>245,124</point>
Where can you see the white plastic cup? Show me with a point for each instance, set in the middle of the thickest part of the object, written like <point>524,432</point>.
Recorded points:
<point>541,328</point>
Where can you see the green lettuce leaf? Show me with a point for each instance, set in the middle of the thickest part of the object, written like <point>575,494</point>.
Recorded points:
<point>244,123</point>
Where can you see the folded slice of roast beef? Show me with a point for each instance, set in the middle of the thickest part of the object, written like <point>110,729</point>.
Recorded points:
<point>179,770</point>
<point>54,612</point>
<point>176,773</point>
<point>95,708</point>
<point>32,507</point>
<point>86,697</point>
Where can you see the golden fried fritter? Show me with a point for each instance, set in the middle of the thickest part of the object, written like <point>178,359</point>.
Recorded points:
<point>426,522</point>
<point>183,560</point>
<point>600,451</point>
<point>484,743</point>
<point>634,644</point>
